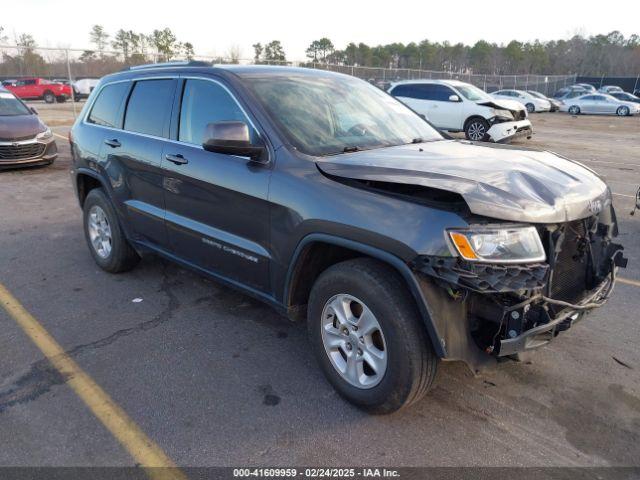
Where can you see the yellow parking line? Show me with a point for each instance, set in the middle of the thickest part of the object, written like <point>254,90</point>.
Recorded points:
<point>628,281</point>
<point>123,428</point>
<point>60,136</point>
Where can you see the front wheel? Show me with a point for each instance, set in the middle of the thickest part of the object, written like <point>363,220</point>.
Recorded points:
<point>622,111</point>
<point>368,337</point>
<point>574,110</point>
<point>49,97</point>
<point>476,129</point>
<point>530,107</point>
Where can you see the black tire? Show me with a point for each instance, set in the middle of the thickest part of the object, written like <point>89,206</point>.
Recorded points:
<point>574,110</point>
<point>476,129</point>
<point>49,97</point>
<point>411,362</point>
<point>61,98</point>
<point>530,107</point>
<point>622,111</point>
<point>122,256</point>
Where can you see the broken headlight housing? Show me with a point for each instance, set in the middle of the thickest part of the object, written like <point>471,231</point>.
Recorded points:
<point>499,245</point>
<point>502,114</point>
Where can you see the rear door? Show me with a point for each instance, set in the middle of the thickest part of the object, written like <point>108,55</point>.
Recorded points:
<point>133,158</point>
<point>217,205</point>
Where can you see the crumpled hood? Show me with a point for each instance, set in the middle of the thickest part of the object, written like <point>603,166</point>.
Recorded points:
<point>497,181</point>
<point>502,104</point>
<point>19,126</point>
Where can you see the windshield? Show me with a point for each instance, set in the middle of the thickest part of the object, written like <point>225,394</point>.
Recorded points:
<point>11,106</point>
<point>326,115</point>
<point>536,94</point>
<point>473,93</point>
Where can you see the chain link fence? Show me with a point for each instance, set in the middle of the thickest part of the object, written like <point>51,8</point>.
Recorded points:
<point>70,65</point>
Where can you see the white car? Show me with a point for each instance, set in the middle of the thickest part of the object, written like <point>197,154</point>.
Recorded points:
<point>599,103</point>
<point>610,89</point>
<point>85,86</point>
<point>532,103</point>
<point>461,107</point>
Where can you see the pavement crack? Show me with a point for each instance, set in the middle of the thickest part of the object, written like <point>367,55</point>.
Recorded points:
<point>42,375</point>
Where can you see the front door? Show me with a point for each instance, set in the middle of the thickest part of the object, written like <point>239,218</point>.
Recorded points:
<point>217,212</point>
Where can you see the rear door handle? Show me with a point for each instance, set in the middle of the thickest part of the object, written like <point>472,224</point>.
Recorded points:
<point>113,143</point>
<point>177,159</point>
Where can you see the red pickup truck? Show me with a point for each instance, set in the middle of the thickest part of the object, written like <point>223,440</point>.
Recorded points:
<point>40,89</point>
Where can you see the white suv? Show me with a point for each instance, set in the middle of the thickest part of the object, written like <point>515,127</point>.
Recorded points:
<point>461,107</point>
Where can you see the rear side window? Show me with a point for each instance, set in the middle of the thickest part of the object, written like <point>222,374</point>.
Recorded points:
<point>107,106</point>
<point>407,91</point>
<point>206,102</point>
<point>149,107</point>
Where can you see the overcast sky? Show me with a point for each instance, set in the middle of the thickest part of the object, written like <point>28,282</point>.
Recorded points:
<point>216,26</point>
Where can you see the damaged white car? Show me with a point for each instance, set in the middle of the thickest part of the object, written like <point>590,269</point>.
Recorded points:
<point>456,106</point>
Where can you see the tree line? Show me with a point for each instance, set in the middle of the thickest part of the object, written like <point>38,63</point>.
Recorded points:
<point>611,54</point>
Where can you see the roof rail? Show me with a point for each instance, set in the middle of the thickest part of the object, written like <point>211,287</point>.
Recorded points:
<point>179,63</point>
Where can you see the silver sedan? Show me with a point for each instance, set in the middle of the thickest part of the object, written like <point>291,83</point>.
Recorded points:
<point>599,104</point>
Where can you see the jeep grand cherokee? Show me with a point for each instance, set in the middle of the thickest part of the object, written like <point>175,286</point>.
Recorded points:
<point>330,200</point>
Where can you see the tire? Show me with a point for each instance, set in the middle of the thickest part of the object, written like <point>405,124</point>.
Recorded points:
<point>368,287</point>
<point>61,98</point>
<point>49,97</point>
<point>574,110</point>
<point>114,254</point>
<point>530,107</point>
<point>476,129</point>
<point>622,111</point>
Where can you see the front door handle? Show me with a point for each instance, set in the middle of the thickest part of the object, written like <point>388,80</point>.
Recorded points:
<point>177,159</point>
<point>113,143</point>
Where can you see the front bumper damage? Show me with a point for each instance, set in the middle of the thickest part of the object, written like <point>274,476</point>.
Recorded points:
<point>484,311</point>
<point>507,131</point>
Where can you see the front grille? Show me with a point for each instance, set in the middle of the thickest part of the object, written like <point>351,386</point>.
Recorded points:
<point>569,275</point>
<point>21,152</point>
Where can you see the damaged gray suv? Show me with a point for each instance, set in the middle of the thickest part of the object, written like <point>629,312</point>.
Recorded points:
<point>333,202</point>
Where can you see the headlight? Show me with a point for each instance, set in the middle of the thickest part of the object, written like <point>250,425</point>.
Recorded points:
<point>502,114</point>
<point>499,245</point>
<point>45,135</point>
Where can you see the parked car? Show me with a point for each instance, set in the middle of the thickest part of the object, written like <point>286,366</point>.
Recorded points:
<point>599,104</point>
<point>531,102</point>
<point>587,86</point>
<point>460,107</point>
<point>8,82</point>
<point>573,89</point>
<point>567,96</point>
<point>610,89</point>
<point>40,89</point>
<point>330,200</point>
<point>625,97</point>
<point>24,139</point>
<point>85,86</point>
<point>554,103</point>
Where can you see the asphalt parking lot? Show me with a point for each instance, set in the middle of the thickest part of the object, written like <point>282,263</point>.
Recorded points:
<point>215,378</point>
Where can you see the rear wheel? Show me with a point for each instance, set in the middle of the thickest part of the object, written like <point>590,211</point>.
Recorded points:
<point>622,111</point>
<point>530,107</point>
<point>49,97</point>
<point>476,129</point>
<point>107,242</point>
<point>367,335</point>
<point>574,110</point>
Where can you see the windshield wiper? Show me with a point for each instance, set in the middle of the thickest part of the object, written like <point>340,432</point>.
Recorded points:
<point>417,140</point>
<point>350,149</point>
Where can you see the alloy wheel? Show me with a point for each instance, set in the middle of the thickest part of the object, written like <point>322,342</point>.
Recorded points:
<point>100,232</point>
<point>353,341</point>
<point>477,131</point>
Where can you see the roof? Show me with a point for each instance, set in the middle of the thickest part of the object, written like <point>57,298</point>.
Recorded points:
<point>451,82</point>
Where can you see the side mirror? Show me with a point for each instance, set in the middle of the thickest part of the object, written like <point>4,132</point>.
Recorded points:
<point>232,138</point>
<point>33,110</point>
<point>454,98</point>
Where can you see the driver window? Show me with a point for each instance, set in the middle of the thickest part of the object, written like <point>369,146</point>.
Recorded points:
<point>205,102</point>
